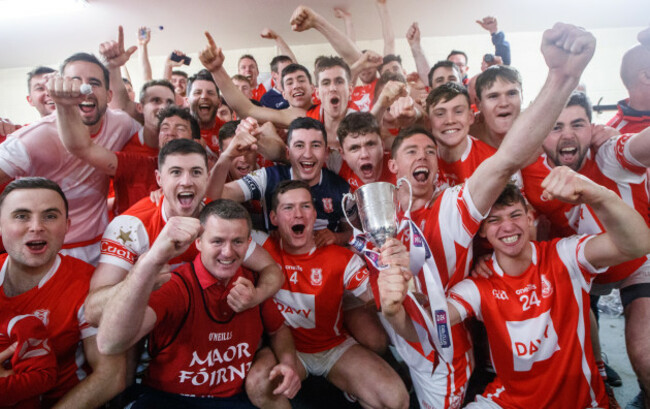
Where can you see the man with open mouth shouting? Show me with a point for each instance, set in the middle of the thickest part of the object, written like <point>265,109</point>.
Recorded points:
<point>307,151</point>
<point>312,300</point>
<point>85,186</point>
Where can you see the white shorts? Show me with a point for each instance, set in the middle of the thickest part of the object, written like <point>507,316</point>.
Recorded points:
<point>640,276</point>
<point>444,388</point>
<point>320,363</point>
<point>482,403</point>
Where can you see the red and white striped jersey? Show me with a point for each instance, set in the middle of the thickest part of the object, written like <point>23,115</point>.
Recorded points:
<point>612,167</point>
<point>538,328</point>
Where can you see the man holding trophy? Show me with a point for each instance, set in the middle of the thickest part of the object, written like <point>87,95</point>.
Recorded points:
<point>450,220</point>
<point>311,301</point>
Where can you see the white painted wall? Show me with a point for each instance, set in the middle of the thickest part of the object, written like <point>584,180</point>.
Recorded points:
<point>601,77</point>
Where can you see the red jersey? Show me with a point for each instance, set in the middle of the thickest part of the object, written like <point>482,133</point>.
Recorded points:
<point>628,120</point>
<point>335,163</point>
<point>316,111</point>
<point>68,279</point>
<point>311,296</point>
<point>136,145</point>
<point>211,136</point>
<point>258,92</point>
<point>33,362</point>
<point>362,96</point>
<point>133,232</point>
<point>200,346</point>
<point>538,328</point>
<point>458,172</point>
<point>135,178</point>
<point>614,168</point>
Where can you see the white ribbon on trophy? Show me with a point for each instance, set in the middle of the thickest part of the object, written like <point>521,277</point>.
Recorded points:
<point>377,207</point>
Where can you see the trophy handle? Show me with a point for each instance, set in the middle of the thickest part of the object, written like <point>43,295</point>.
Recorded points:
<point>399,183</point>
<point>345,213</point>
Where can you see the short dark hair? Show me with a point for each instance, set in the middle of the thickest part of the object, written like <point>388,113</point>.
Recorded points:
<point>388,58</point>
<point>510,195</point>
<point>181,147</point>
<point>275,62</point>
<point>179,72</point>
<point>87,58</point>
<point>225,209</point>
<point>183,113</point>
<point>306,123</point>
<point>327,62</point>
<point>446,92</point>
<point>40,70</point>
<point>284,187</point>
<point>458,52</point>
<point>359,123</point>
<point>33,183</point>
<point>293,67</point>
<point>488,77</point>
<point>155,83</point>
<point>203,75</point>
<point>406,133</point>
<point>446,64</point>
<point>579,98</point>
<point>227,131</point>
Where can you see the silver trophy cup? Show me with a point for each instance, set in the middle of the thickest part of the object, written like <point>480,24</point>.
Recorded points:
<point>377,206</point>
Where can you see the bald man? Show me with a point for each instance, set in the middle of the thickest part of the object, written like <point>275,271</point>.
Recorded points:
<point>634,112</point>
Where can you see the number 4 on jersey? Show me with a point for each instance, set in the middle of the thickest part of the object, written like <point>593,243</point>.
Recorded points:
<point>294,277</point>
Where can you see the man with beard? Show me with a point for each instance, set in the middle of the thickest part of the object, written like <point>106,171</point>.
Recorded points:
<point>620,165</point>
<point>203,98</point>
<point>567,50</point>
<point>36,150</point>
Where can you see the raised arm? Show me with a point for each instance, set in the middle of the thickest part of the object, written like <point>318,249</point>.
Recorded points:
<point>131,299</point>
<point>144,36</point>
<point>626,234</point>
<point>282,45</point>
<point>386,27</point>
<point>66,94</point>
<point>421,63</point>
<point>501,46</point>
<point>212,59</point>
<point>115,56</point>
<point>567,51</point>
<point>170,65</point>
<point>304,18</point>
<point>344,14</point>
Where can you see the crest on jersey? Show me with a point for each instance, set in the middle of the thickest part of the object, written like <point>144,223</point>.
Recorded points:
<point>353,182</point>
<point>328,207</point>
<point>43,315</point>
<point>316,276</point>
<point>547,288</point>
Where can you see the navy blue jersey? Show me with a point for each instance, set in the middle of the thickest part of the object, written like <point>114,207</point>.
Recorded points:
<point>327,194</point>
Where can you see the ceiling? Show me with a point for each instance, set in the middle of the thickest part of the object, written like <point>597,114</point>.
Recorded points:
<point>45,36</point>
